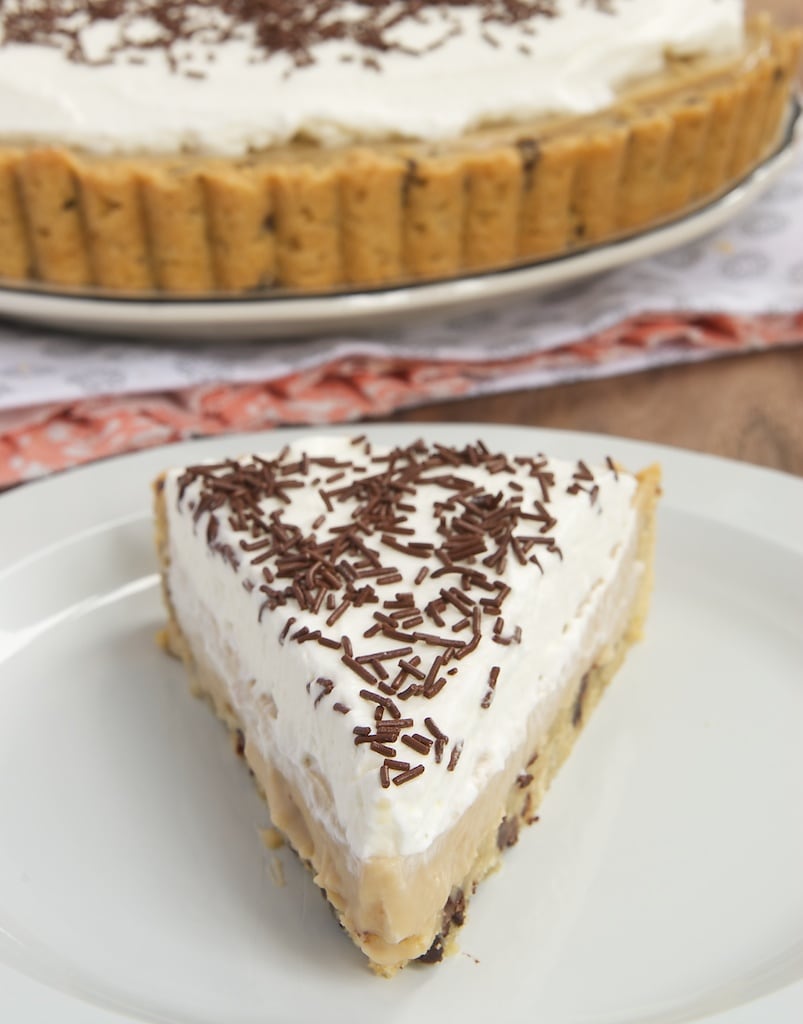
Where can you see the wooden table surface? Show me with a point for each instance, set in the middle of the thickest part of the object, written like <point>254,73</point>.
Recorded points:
<point>747,407</point>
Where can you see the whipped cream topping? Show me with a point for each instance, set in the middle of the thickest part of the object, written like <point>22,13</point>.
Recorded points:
<point>369,704</point>
<point>448,70</point>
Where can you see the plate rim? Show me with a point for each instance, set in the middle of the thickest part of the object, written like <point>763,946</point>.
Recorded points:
<point>26,995</point>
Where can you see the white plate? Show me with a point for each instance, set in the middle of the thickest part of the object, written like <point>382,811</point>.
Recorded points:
<point>662,883</point>
<point>227,320</point>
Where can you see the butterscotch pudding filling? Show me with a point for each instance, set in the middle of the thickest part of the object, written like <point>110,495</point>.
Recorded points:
<point>208,148</point>
<point>407,641</point>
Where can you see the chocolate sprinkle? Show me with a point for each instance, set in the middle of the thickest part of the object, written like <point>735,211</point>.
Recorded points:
<point>351,564</point>
<point>421,744</point>
<point>454,757</point>
<point>269,28</point>
<point>326,687</point>
<point>408,776</point>
<point>492,679</point>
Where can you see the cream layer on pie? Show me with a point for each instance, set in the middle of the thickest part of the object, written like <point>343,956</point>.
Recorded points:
<point>408,642</point>
<point>333,73</point>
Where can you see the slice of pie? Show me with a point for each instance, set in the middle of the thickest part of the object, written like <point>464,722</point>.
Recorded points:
<point>406,643</point>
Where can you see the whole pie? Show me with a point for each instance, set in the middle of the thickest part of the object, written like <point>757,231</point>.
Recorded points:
<point>406,642</point>
<point>154,145</point>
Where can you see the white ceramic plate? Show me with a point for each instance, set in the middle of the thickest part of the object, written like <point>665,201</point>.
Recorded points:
<point>661,884</point>
<point>227,320</point>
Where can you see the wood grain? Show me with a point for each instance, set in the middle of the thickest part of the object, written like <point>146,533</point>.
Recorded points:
<point>746,407</point>
<point>741,407</point>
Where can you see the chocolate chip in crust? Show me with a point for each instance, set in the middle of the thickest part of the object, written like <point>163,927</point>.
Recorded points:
<point>454,913</point>
<point>434,954</point>
<point>508,833</point>
<point>577,711</point>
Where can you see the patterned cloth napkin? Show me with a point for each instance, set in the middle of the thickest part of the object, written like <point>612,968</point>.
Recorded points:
<point>67,400</point>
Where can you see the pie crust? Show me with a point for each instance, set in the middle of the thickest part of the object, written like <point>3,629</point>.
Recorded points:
<point>307,218</point>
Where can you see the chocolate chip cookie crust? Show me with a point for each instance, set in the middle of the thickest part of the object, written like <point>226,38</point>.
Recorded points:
<point>309,218</point>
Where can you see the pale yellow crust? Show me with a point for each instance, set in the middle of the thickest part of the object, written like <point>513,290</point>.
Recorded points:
<point>51,201</point>
<point>15,256</point>
<point>305,218</point>
<point>241,216</point>
<point>116,230</point>
<point>373,901</point>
